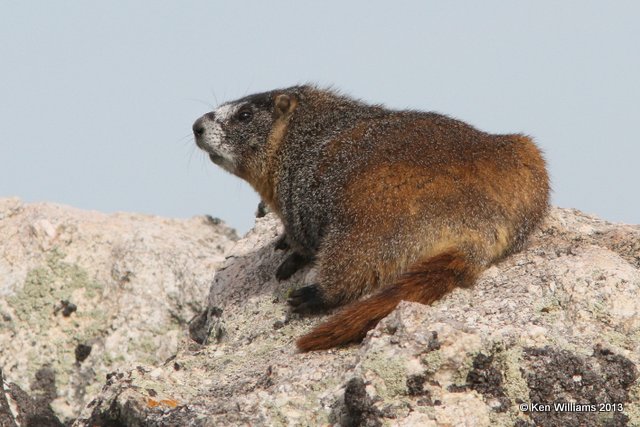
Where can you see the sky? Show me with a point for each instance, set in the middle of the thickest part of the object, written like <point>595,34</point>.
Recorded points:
<point>97,99</point>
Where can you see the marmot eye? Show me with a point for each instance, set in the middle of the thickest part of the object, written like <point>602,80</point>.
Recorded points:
<point>245,115</point>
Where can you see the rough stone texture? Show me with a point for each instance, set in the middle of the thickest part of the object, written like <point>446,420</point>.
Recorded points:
<point>85,293</point>
<point>17,408</point>
<point>558,322</point>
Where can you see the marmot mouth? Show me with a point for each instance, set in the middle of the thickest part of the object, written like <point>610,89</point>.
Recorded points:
<point>215,158</point>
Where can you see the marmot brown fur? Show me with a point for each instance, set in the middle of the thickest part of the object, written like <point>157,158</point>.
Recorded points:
<point>407,204</point>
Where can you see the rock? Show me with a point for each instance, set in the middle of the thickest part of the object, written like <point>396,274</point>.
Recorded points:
<point>84,293</point>
<point>17,408</point>
<point>557,324</point>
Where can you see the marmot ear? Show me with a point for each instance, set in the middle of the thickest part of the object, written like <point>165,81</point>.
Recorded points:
<point>285,104</point>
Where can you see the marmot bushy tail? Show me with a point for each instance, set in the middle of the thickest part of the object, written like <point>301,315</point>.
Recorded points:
<point>407,204</point>
<point>425,282</point>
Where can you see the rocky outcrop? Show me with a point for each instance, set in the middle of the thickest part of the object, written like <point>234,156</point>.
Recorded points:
<point>84,293</point>
<point>557,324</point>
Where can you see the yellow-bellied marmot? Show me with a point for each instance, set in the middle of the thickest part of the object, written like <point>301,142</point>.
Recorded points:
<point>405,203</point>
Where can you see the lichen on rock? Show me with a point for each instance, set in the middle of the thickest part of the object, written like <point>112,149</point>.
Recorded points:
<point>84,293</point>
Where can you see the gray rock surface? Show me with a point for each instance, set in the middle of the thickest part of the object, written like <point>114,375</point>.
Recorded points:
<point>558,323</point>
<point>84,293</point>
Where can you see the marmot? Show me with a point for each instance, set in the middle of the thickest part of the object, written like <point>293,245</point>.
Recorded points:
<point>406,203</point>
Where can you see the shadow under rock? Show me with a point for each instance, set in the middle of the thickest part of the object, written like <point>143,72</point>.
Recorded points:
<point>242,277</point>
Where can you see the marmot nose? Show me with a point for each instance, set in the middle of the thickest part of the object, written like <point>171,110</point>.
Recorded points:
<point>198,127</point>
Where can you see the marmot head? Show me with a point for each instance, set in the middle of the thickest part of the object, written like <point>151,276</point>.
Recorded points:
<point>237,134</point>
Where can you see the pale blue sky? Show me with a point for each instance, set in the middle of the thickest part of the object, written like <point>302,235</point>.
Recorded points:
<point>97,98</point>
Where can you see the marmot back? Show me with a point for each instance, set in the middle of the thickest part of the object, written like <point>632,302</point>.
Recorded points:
<point>409,204</point>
